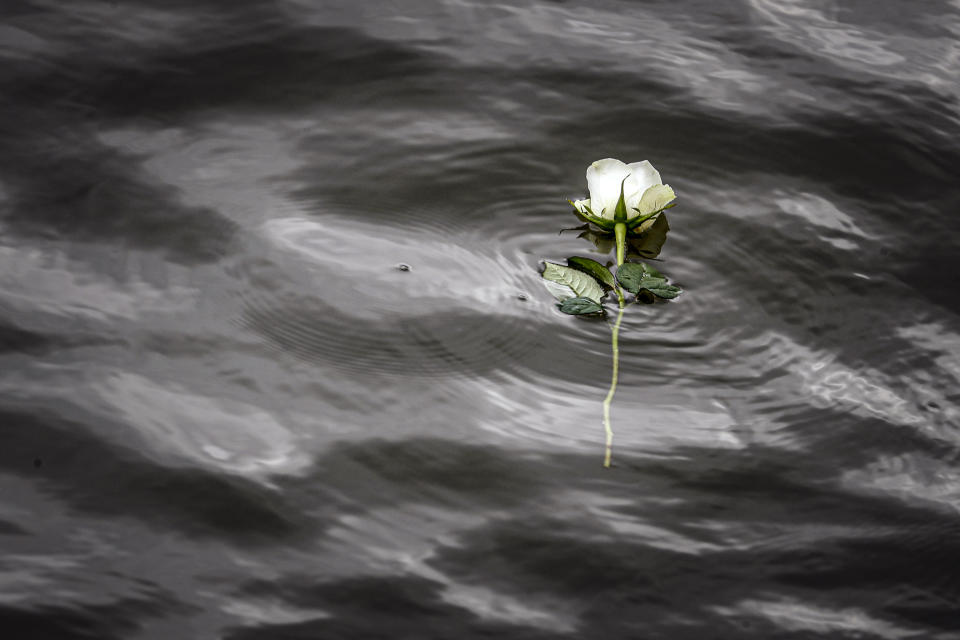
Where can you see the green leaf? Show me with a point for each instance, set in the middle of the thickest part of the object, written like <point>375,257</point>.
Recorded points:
<point>636,277</point>
<point>660,288</point>
<point>582,285</point>
<point>593,268</point>
<point>629,275</point>
<point>559,291</point>
<point>647,239</point>
<point>651,271</point>
<point>580,307</point>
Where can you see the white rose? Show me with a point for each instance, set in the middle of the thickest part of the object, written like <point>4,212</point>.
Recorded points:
<point>639,184</point>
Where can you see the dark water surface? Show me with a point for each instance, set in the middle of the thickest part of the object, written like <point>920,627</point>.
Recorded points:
<point>226,413</point>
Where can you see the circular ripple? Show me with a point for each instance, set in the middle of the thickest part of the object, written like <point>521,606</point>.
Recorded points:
<point>453,312</point>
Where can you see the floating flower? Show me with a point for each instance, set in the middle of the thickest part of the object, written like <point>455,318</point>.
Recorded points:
<point>619,192</point>
<point>622,198</point>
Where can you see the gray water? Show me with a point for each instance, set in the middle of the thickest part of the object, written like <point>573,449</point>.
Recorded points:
<point>226,412</point>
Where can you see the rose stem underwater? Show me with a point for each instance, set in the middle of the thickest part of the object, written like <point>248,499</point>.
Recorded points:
<point>620,231</point>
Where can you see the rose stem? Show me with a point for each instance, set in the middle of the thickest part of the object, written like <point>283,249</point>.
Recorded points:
<point>620,231</point>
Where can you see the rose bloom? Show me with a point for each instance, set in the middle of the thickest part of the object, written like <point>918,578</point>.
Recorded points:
<point>644,194</point>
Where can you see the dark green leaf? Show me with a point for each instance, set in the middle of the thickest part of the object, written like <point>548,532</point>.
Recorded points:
<point>645,297</point>
<point>580,307</point>
<point>629,275</point>
<point>650,271</point>
<point>660,288</point>
<point>637,277</point>
<point>593,268</point>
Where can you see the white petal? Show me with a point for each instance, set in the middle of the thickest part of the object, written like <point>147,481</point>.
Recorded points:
<point>604,178</point>
<point>642,177</point>
<point>631,196</point>
<point>582,205</point>
<point>655,198</point>
<point>644,174</point>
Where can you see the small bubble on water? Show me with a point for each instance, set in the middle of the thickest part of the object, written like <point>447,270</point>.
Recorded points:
<point>403,267</point>
<point>522,297</point>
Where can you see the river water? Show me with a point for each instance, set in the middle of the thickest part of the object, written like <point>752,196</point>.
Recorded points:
<point>275,359</point>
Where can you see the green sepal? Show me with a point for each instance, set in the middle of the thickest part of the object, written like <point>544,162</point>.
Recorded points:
<point>639,220</point>
<point>592,218</point>
<point>580,215</point>
<point>643,242</point>
<point>620,214</point>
